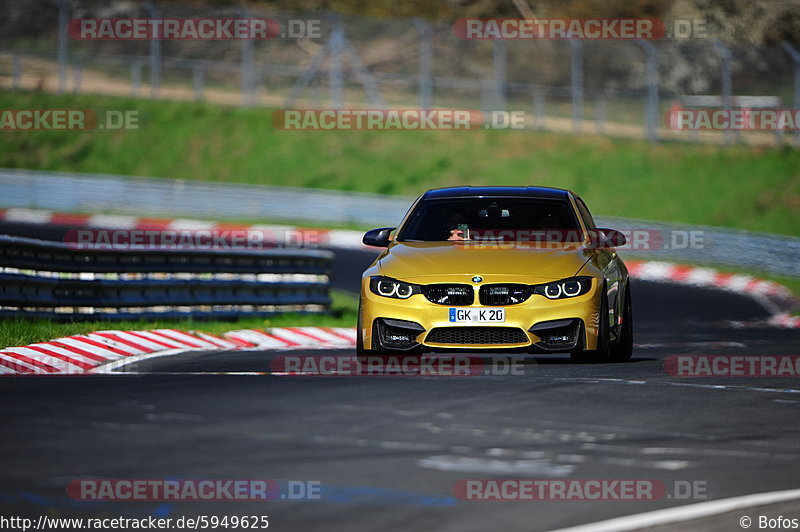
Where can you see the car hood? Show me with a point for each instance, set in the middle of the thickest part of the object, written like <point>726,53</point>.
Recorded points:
<point>427,262</point>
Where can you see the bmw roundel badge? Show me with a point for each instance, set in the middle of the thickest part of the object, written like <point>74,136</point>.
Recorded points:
<point>477,279</point>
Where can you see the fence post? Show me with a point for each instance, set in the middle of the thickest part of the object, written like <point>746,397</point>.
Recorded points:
<point>155,54</point>
<point>499,74</point>
<point>136,77</point>
<point>247,72</point>
<point>198,75</point>
<point>487,89</point>
<point>336,75</point>
<point>577,84</point>
<point>600,112</point>
<point>727,95</point>
<point>651,107</point>
<point>425,64</point>
<point>16,72</point>
<point>539,107</point>
<point>77,75</point>
<point>795,55</point>
<point>63,44</point>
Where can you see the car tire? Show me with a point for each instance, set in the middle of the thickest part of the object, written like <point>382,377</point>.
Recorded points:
<point>603,351</point>
<point>623,349</point>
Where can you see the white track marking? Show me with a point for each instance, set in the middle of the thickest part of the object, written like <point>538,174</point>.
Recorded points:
<point>680,384</point>
<point>689,512</point>
<point>668,465</point>
<point>30,216</point>
<point>691,451</point>
<point>464,464</point>
<point>688,344</point>
<point>185,224</point>
<point>108,221</point>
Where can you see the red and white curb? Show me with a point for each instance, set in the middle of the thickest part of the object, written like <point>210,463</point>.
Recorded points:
<point>785,320</point>
<point>776,298</point>
<point>104,351</point>
<point>658,271</point>
<point>277,234</point>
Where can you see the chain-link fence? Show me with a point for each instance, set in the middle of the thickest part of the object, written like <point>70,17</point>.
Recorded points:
<point>324,59</point>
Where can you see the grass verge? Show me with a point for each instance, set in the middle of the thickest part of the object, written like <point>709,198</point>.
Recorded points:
<point>745,187</point>
<point>24,331</point>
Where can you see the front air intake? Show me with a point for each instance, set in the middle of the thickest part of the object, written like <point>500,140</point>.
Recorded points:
<point>449,294</point>
<point>476,336</point>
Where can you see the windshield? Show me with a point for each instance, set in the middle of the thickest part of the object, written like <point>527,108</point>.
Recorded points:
<point>491,219</point>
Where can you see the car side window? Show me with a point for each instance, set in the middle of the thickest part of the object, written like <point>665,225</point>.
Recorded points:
<point>584,212</point>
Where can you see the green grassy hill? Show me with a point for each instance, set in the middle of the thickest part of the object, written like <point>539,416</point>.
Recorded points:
<point>739,186</point>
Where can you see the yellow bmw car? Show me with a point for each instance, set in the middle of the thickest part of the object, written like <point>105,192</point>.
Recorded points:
<point>497,268</point>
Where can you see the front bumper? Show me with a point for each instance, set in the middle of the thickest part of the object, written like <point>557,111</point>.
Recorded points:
<point>537,325</point>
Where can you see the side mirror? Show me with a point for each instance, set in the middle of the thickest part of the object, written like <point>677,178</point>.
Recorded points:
<point>607,238</point>
<point>378,237</point>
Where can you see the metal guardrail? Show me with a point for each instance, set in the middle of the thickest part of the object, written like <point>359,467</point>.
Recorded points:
<point>736,249</point>
<point>93,193</point>
<point>55,280</point>
<point>145,196</point>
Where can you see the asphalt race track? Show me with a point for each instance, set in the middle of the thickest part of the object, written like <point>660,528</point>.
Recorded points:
<point>388,450</point>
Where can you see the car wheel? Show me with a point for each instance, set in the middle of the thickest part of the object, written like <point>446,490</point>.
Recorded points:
<point>623,349</point>
<point>603,351</point>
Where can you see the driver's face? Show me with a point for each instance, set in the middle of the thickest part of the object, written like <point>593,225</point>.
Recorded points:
<point>453,221</point>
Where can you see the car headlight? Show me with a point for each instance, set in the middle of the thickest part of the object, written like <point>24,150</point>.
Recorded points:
<point>572,287</point>
<point>388,287</point>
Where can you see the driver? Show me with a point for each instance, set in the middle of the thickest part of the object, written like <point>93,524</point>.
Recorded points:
<point>454,231</point>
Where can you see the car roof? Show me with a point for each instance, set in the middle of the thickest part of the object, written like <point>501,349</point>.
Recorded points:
<point>469,191</point>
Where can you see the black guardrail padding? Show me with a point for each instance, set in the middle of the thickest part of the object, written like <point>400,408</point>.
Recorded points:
<point>69,298</point>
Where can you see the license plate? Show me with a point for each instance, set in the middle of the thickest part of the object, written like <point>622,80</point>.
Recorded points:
<point>477,315</point>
